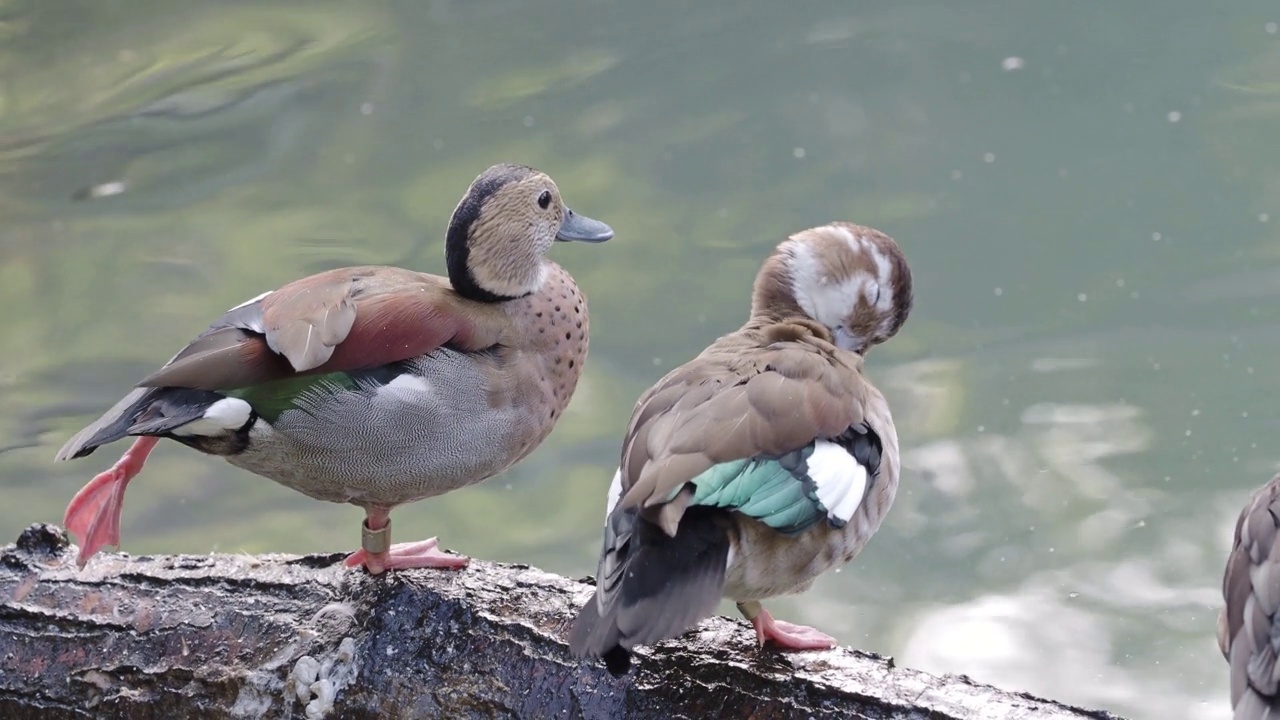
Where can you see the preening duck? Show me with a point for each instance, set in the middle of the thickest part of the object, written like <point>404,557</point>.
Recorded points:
<point>762,463</point>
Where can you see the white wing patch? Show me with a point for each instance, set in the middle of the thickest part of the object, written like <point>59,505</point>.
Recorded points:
<point>407,381</point>
<point>615,492</point>
<point>406,388</point>
<point>225,415</point>
<point>840,479</point>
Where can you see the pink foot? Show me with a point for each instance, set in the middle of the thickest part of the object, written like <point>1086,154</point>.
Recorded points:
<point>405,556</point>
<point>790,636</point>
<point>94,513</point>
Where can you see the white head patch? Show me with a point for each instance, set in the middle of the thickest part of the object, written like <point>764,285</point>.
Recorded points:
<point>830,299</point>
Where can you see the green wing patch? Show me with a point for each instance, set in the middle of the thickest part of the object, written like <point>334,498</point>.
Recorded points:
<point>270,400</point>
<point>776,491</point>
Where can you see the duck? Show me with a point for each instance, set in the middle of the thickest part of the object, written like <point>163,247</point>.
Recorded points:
<point>375,386</point>
<point>1247,629</point>
<point>760,464</point>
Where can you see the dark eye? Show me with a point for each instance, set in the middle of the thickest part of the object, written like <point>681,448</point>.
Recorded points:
<point>544,199</point>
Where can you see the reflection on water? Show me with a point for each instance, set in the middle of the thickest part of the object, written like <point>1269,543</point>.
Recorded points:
<point>1071,586</point>
<point>1089,200</point>
<point>177,112</point>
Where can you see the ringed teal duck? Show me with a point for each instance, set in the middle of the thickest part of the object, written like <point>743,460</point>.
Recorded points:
<point>762,463</point>
<point>1248,631</point>
<point>375,386</point>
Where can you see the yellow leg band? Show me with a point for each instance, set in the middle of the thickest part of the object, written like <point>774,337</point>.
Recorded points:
<point>375,542</point>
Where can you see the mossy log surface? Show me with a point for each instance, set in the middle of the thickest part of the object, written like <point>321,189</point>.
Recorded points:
<point>237,636</point>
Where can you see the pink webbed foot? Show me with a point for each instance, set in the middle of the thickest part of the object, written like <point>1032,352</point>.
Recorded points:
<point>93,515</point>
<point>789,636</point>
<point>378,554</point>
<point>405,556</point>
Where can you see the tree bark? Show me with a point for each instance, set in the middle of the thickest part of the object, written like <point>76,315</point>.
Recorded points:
<point>235,636</point>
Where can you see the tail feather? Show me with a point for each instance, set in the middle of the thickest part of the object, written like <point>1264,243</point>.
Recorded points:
<point>112,426</point>
<point>652,586</point>
<point>144,411</point>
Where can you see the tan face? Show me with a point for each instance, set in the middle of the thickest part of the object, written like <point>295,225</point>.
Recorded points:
<point>852,279</point>
<point>512,233</point>
<point>502,228</point>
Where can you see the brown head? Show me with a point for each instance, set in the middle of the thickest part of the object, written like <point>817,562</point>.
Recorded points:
<point>852,279</point>
<point>501,231</point>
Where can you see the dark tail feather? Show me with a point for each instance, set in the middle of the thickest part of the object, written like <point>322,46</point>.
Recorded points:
<point>145,411</point>
<point>616,659</point>
<point>652,587</point>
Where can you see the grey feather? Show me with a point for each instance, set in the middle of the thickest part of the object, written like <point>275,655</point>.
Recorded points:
<point>83,442</point>
<point>1248,632</point>
<point>145,411</point>
<point>652,586</point>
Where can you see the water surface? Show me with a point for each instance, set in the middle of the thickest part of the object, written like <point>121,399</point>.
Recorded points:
<point>1089,196</point>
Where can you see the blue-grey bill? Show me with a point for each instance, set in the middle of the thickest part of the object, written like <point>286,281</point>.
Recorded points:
<point>580,228</point>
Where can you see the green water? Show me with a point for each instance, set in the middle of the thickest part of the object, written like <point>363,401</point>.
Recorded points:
<point>1088,193</point>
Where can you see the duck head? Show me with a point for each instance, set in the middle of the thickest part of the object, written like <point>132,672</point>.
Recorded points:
<point>501,231</point>
<point>851,279</point>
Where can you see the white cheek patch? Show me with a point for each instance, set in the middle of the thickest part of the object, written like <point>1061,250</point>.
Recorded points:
<point>840,479</point>
<point>830,301</point>
<point>821,297</point>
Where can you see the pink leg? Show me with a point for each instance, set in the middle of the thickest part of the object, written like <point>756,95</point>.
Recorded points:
<point>94,513</point>
<point>785,635</point>
<point>385,556</point>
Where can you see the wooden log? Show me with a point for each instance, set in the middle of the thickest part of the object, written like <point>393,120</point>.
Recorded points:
<point>237,636</point>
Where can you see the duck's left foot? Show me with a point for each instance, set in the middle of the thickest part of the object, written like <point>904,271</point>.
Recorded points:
<point>377,554</point>
<point>406,556</point>
<point>789,636</point>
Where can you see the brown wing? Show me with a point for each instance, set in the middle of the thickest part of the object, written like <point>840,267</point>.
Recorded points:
<point>1251,589</point>
<point>344,319</point>
<point>758,391</point>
